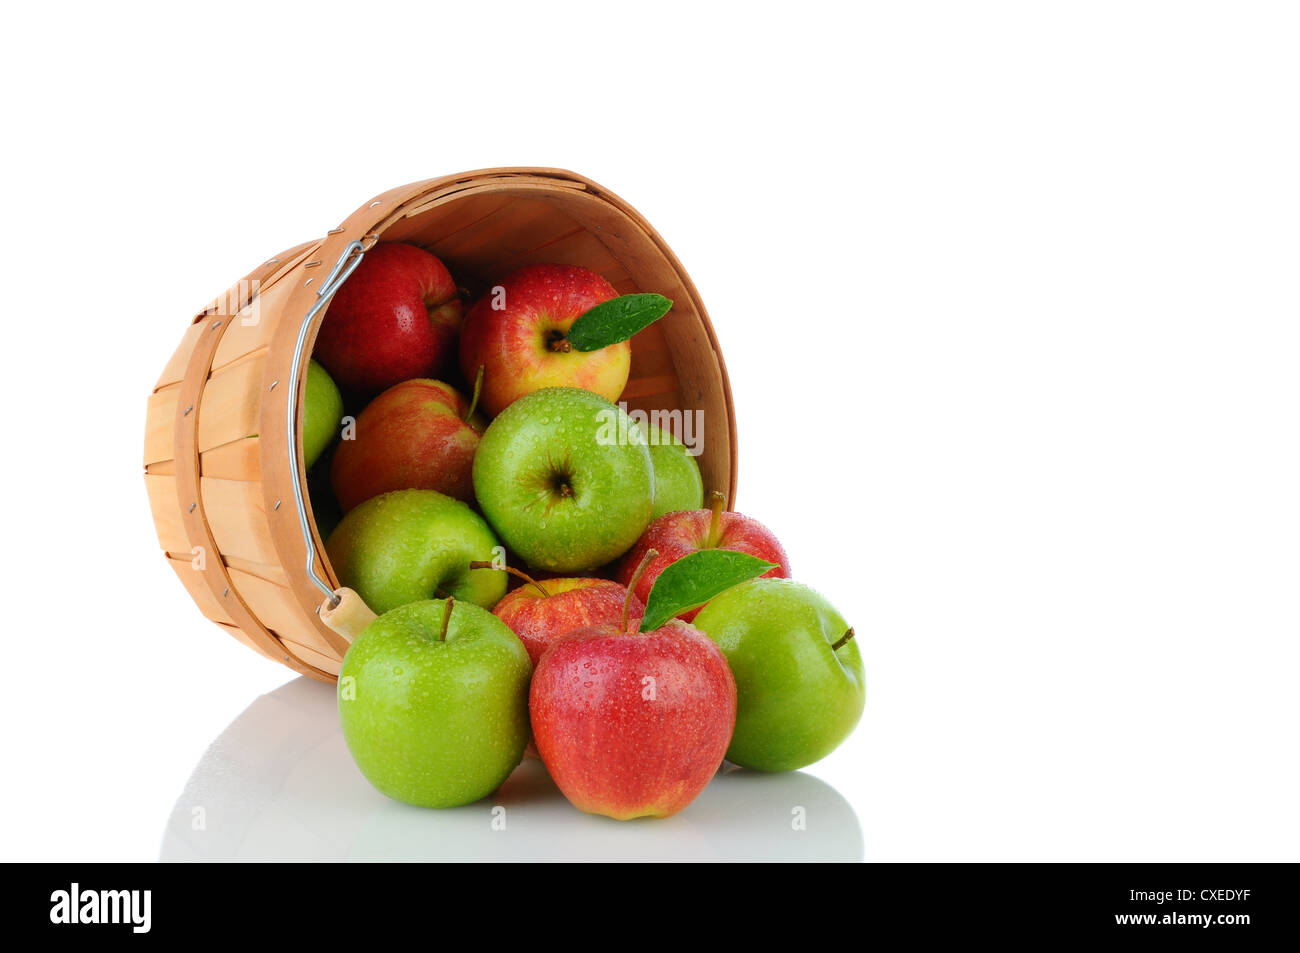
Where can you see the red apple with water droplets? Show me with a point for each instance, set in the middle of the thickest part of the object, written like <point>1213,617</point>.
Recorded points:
<point>417,435</point>
<point>632,724</point>
<point>395,318</point>
<point>675,535</point>
<point>540,612</point>
<point>517,333</point>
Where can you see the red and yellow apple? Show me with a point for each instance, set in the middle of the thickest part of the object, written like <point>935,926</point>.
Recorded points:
<point>675,535</point>
<point>395,318</point>
<point>517,334</point>
<point>417,435</point>
<point>541,612</point>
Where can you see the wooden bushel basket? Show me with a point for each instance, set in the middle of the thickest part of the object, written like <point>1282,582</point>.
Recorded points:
<point>223,442</point>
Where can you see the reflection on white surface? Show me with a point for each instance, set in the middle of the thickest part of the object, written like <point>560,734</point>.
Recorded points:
<point>279,784</point>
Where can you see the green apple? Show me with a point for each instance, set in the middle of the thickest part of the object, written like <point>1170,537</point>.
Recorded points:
<point>799,679</point>
<point>433,700</point>
<point>565,477</point>
<point>410,545</point>
<point>677,476</point>
<point>322,411</point>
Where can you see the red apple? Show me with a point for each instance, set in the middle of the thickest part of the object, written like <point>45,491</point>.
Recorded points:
<point>516,332</point>
<point>674,535</point>
<point>541,612</point>
<point>632,724</point>
<point>417,435</point>
<point>395,318</point>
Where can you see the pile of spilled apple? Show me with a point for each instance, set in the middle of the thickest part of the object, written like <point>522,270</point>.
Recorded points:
<point>647,636</point>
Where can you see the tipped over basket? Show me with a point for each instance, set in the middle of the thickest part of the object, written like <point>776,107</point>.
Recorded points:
<point>223,450</point>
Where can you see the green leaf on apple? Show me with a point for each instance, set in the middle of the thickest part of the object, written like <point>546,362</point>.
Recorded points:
<point>696,578</point>
<point>616,320</point>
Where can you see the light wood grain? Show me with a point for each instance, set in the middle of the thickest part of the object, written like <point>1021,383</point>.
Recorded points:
<point>166,514</point>
<point>197,587</point>
<point>231,398</point>
<point>235,513</point>
<point>271,572</point>
<point>248,331</point>
<point>160,424</point>
<point>278,610</point>
<point>242,636</point>
<point>175,369</point>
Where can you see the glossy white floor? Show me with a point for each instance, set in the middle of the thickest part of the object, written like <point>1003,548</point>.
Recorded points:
<point>279,784</point>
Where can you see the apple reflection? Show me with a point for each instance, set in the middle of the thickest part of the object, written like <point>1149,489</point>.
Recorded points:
<point>279,784</point>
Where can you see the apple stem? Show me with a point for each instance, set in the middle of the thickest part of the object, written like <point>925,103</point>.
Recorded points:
<point>641,568</point>
<point>446,617</point>
<point>478,389</point>
<point>561,346</point>
<point>517,573</point>
<point>843,639</point>
<point>716,502</point>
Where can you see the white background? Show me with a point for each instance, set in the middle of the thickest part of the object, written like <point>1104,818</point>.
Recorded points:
<point>1008,294</point>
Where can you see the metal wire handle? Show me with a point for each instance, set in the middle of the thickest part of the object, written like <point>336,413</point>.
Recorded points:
<point>347,262</point>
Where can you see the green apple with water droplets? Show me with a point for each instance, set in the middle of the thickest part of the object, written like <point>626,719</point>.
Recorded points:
<point>323,409</point>
<point>678,485</point>
<point>800,685</point>
<point>565,478</point>
<point>433,702</point>
<point>410,545</point>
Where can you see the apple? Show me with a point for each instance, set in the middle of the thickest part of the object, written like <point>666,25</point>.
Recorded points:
<point>632,724</point>
<point>322,411</point>
<point>674,535</point>
<point>410,545</point>
<point>516,333</point>
<point>798,672</point>
<point>433,702</point>
<point>419,434</point>
<point>678,485</point>
<point>541,612</point>
<point>565,478</point>
<point>395,318</point>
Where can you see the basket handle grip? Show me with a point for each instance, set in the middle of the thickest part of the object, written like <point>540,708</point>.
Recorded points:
<point>346,264</point>
<point>349,615</point>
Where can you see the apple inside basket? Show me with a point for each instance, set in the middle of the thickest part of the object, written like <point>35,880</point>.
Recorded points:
<point>225,471</point>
